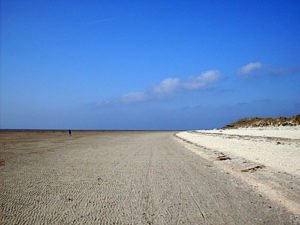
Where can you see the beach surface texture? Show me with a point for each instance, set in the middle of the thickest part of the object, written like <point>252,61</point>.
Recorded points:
<point>276,147</point>
<point>115,177</point>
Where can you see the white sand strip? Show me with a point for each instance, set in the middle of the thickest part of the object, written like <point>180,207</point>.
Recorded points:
<point>283,156</point>
<point>281,132</point>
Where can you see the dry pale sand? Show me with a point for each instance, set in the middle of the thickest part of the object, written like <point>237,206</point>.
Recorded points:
<point>123,178</point>
<point>278,148</point>
<point>291,132</point>
<point>268,159</point>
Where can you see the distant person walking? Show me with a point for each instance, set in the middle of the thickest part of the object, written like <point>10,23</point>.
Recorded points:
<point>70,133</point>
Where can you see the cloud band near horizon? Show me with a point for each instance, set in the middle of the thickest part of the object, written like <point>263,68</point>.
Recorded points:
<point>167,87</point>
<point>171,85</point>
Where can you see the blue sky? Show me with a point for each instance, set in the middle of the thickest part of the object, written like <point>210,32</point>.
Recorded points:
<point>147,64</point>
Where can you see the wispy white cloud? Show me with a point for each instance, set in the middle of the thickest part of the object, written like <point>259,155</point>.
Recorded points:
<point>250,67</point>
<point>263,69</point>
<point>194,83</point>
<point>167,87</point>
<point>133,97</point>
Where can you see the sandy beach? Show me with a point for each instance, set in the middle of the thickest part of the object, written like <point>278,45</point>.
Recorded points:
<point>275,147</point>
<point>126,178</point>
<point>150,112</point>
<point>267,158</point>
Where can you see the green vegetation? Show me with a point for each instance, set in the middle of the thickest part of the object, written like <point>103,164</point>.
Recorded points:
<point>263,122</point>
